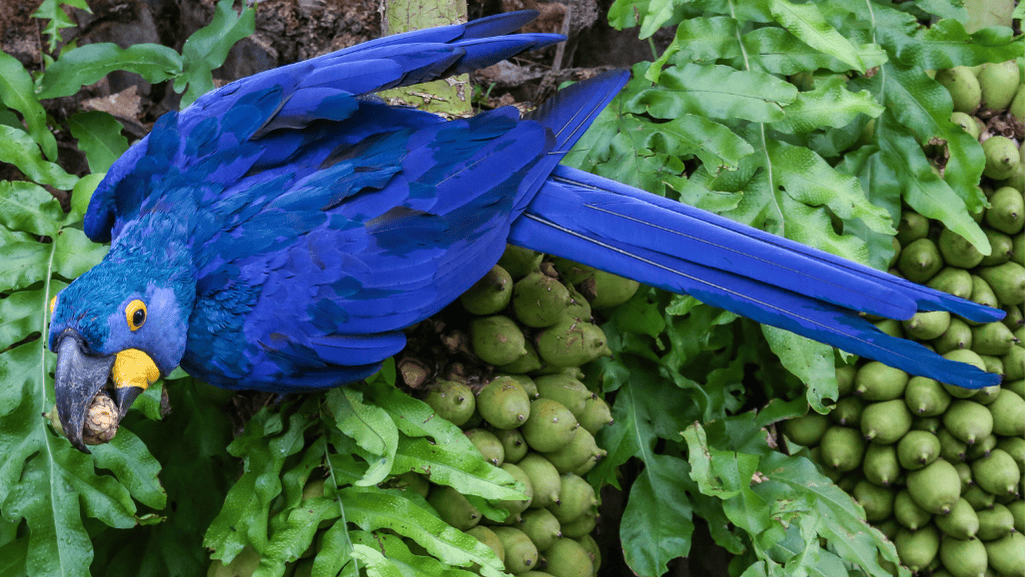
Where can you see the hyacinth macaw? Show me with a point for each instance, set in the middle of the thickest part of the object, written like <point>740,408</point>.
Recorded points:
<point>279,233</point>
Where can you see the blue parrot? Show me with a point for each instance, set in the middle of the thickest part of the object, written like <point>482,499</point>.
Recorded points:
<point>279,233</point>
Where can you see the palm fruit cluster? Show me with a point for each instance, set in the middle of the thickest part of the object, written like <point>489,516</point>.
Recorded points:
<point>939,468</point>
<point>524,407</point>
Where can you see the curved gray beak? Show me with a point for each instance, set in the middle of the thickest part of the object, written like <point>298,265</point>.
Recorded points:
<point>77,379</point>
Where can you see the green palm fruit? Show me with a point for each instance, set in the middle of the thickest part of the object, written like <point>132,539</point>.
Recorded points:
<point>1007,554</point>
<point>579,451</point>
<point>927,325</point>
<point>845,379</point>
<point>1014,364</point>
<point>520,553</point>
<point>888,528</point>
<point>957,251</point>
<point>847,411</point>
<point>579,308</point>
<point>997,473</point>
<point>927,424</point>
<point>490,294</point>
<point>571,343</point>
<point>452,401</point>
<point>998,82</point>
<point>1007,281</point>
<point>596,415</point>
<point>527,363</point>
<point>875,381</point>
<point>611,290</point>
<point>968,421</point>
<point>488,445</point>
<point>575,498</point>
<point>963,86</point>
<point>994,523</point>
<point>504,403</point>
<point>983,294</point>
<point>497,340</point>
<point>526,382</point>
<point>1017,509</point>
<point>1015,181</point>
<point>572,273</point>
<point>1013,446</point>
<point>979,498</point>
<point>967,123</point>
<point>489,538</point>
<point>541,526</point>
<point>815,454</point>
<point>519,262</point>
<point>994,365</point>
<point>926,397</point>
<point>592,549</point>
<point>807,430</point>
<point>410,481</point>
<point>911,228</point>
<point>544,478</point>
<point>1017,107</point>
<point>992,339</point>
<point>539,300</point>
<point>516,506</point>
<point>951,448</point>
<point>1002,246</point>
<point>982,448</point>
<point>1014,319</point>
<point>1008,411</point>
<point>908,513</point>
<point>890,327</point>
<point>917,549</point>
<point>917,449</point>
<point>957,336</point>
<point>964,557</point>
<point>581,526</point>
<point>563,388</point>
<point>885,422</point>
<point>1016,386</point>
<point>877,501</point>
<point>513,443</point>
<point>960,523</point>
<point>920,260</point>
<point>1018,248</point>
<point>964,472</point>
<point>550,427</point>
<point>935,487</point>
<point>566,558</point>
<point>881,465</point>
<point>952,280</point>
<point>1002,157</point>
<point>963,356</point>
<point>842,448</point>
<point>453,507</point>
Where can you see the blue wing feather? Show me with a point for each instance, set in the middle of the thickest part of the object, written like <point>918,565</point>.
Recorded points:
<point>324,223</point>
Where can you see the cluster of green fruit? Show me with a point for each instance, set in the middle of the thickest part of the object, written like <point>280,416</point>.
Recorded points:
<point>939,469</point>
<point>534,418</point>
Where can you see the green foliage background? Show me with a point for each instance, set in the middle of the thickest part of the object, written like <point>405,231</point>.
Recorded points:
<point>805,119</point>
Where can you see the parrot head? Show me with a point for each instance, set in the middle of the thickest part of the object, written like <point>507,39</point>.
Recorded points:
<point>118,328</point>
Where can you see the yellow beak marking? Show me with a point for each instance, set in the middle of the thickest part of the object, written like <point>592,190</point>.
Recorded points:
<point>134,368</point>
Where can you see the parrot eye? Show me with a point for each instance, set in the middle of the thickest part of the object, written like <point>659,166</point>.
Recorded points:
<point>135,313</point>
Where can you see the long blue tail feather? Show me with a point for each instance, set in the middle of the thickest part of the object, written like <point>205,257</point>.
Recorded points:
<point>632,233</point>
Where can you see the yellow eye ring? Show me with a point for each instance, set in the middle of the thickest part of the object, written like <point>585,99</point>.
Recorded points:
<point>135,314</point>
<point>53,304</point>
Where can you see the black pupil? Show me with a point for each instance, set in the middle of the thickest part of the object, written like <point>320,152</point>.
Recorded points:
<point>138,317</point>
